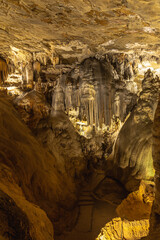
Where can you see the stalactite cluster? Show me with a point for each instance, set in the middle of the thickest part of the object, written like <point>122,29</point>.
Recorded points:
<point>94,93</point>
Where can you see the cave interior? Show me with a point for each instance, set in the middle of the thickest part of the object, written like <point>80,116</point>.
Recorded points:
<point>79,120</point>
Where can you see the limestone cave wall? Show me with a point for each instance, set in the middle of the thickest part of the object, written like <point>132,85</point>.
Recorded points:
<point>133,147</point>
<point>29,177</point>
<point>155,216</point>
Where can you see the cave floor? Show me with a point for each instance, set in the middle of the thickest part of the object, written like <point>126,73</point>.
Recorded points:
<point>93,215</point>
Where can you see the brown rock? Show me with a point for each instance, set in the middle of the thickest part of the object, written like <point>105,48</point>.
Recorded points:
<point>138,204</point>
<point>34,174</point>
<point>118,229</point>
<point>133,149</point>
<point>32,107</point>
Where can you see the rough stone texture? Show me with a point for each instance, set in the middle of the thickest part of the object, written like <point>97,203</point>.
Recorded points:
<point>92,92</point>
<point>13,223</point>
<point>138,204</point>
<point>27,169</point>
<point>133,148</point>
<point>155,217</point>
<point>97,95</point>
<point>44,39</point>
<point>91,95</point>
<point>68,27</point>
<point>20,219</point>
<point>128,230</point>
<point>59,136</point>
<point>32,107</point>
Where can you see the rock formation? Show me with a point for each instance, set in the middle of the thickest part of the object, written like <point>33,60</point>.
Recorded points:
<point>86,108</point>
<point>33,107</point>
<point>83,90</point>
<point>28,177</point>
<point>154,221</point>
<point>133,147</point>
<point>138,204</point>
<point>118,229</point>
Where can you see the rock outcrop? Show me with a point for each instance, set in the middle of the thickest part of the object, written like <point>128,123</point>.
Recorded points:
<point>29,176</point>
<point>133,147</point>
<point>59,137</point>
<point>138,204</point>
<point>118,229</point>
<point>155,217</point>
<point>32,107</point>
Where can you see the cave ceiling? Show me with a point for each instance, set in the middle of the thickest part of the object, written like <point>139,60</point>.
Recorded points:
<point>77,29</point>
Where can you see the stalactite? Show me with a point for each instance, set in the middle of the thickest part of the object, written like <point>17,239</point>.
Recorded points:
<point>29,75</point>
<point>36,69</point>
<point>93,95</point>
<point>68,97</point>
<point>24,77</point>
<point>55,60</point>
<point>58,98</point>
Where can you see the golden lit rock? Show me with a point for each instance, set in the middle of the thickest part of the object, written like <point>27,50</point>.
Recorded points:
<point>138,204</point>
<point>119,229</point>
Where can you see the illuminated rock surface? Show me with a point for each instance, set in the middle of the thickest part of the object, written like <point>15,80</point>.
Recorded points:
<point>133,148</point>
<point>129,230</point>
<point>138,204</point>
<point>155,217</point>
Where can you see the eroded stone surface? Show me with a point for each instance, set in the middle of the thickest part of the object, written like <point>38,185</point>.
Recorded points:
<point>28,169</point>
<point>32,107</point>
<point>155,217</point>
<point>138,204</point>
<point>133,149</point>
<point>129,230</point>
<point>68,27</point>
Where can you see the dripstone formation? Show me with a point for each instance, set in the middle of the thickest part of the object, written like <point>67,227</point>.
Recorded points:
<point>79,117</point>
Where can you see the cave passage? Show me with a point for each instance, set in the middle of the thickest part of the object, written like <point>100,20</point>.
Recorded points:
<point>79,120</point>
